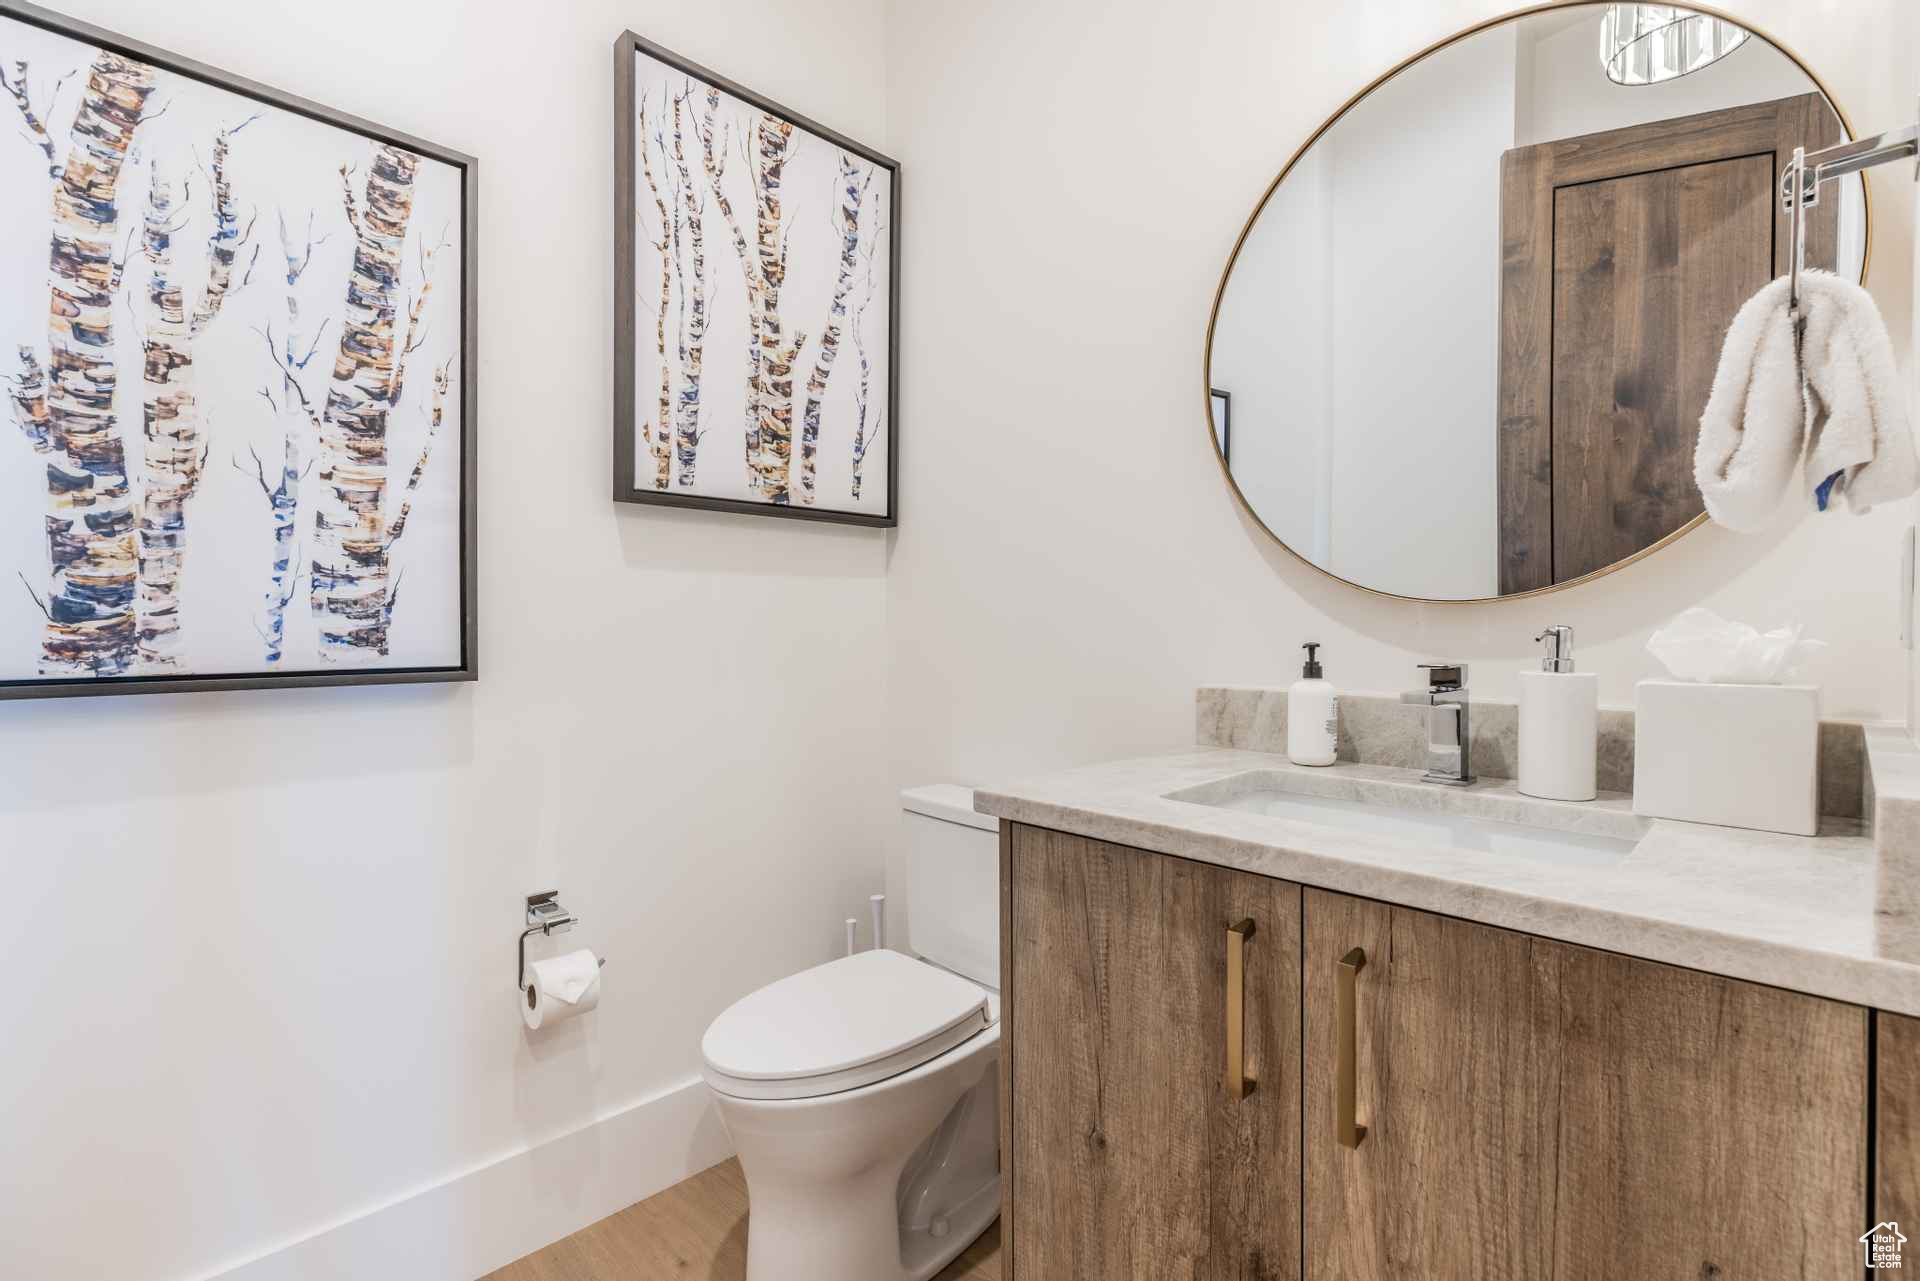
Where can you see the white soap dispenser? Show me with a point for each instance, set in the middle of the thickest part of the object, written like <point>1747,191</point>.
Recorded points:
<point>1559,724</point>
<point>1313,714</point>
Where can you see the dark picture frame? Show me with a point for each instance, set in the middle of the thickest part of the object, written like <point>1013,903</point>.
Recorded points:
<point>1221,403</point>
<point>625,307</point>
<point>468,667</point>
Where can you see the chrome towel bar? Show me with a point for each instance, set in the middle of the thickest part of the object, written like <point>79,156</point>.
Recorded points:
<point>1807,172</point>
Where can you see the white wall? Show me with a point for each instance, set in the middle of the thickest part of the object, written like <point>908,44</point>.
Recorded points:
<point>1348,342</point>
<point>1564,94</point>
<point>1569,95</point>
<point>259,944</point>
<point>1416,312</point>
<point>1073,564</point>
<point>1272,354</point>
<point>1356,334</point>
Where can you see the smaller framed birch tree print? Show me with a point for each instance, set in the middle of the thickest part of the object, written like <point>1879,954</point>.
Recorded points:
<point>235,330</point>
<point>755,301</point>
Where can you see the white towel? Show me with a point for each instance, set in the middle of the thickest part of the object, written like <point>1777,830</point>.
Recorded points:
<point>1844,418</point>
<point>1754,427</point>
<point>1858,433</point>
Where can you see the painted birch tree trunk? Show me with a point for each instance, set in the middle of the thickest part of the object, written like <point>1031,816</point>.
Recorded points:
<point>715,159</point>
<point>175,447</point>
<point>36,127</point>
<point>676,204</point>
<point>283,504</point>
<point>686,431</point>
<point>227,238</point>
<point>442,380</point>
<point>853,193</point>
<point>350,567</point>
<point>90,520</point>
<point>396,388</point>
<point>172,460</point>
<point>291,361</point>
<point>774,138</point>
<point>657,433</point>
<point>29,396</point>
<point>862,440</point>
<point>296,419</point>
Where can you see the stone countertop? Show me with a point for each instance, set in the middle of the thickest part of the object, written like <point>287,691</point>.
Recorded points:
<point>1792,911</point>
<point>1893,787</point>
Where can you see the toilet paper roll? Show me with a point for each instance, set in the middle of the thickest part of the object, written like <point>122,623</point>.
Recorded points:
<point>541,1000</point>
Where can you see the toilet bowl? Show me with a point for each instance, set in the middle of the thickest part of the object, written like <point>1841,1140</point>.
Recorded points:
<point>862,1095</point>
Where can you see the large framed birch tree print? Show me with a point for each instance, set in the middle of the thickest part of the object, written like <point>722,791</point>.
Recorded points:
<point>235,330</point>
<point>755,298</point>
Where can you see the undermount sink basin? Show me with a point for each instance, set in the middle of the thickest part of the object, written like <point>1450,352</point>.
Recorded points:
<point>1418,826</point>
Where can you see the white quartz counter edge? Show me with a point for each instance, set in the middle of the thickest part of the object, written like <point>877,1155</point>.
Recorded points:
<point>1793,912</point>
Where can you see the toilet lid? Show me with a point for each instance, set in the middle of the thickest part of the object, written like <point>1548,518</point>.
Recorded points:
<point>839,1021</point>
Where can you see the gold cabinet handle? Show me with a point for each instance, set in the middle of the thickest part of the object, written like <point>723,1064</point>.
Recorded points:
<point>1238,1083</point>
<point>1346,1126</point>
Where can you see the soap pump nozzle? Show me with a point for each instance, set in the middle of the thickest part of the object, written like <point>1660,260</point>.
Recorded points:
<point>1559,648</point>
<point>1312,670</point>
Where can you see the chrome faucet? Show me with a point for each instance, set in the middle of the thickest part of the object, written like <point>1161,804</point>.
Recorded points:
<point>1448,759</point>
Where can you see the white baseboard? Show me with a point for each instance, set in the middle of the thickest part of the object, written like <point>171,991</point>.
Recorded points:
<point>484,1218</point>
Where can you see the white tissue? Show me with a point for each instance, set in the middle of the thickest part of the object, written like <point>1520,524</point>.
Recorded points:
<point>560,988</point>
<point>1699,645</point>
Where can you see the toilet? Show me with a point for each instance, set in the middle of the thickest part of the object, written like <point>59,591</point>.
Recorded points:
<point>862,1095</point>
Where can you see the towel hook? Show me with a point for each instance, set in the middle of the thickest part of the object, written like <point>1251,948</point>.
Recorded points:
<point>1794,183</point>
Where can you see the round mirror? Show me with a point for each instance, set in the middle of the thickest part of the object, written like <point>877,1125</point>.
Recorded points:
<point>1461,349</point>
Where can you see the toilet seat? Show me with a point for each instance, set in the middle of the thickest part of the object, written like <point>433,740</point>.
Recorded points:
<point>839,1026</point>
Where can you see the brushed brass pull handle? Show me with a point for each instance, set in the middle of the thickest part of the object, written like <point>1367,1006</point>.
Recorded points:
<point>1346,1126</point>
<point>1238,1083</point>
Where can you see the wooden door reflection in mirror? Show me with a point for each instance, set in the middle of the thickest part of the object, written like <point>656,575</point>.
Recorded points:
<point>1637,246</point>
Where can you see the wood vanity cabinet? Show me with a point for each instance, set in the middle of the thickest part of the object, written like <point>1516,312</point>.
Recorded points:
<point>1130,1153</point>
<point>1517,1107</point>
<point>1896,1193</point>
<point>1536,1109</point>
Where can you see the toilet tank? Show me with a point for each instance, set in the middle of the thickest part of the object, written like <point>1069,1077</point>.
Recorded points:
<point>953,881</point>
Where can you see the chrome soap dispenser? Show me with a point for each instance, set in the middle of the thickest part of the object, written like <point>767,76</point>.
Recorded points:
<point>1559,723</point>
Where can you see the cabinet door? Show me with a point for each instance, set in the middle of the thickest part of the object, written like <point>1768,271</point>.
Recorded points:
<point>1130,1155</point>
<point>1538,1110</point>
<point>1896,1193</point>
<point>1708,1127</point>
<point>1453,1063</point>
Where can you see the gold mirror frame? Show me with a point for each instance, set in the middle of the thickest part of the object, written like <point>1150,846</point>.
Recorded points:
<point>1213,318</point>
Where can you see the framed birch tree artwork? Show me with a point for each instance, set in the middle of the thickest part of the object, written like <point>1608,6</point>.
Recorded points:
<point>757,277</point>
<point>234,347</point>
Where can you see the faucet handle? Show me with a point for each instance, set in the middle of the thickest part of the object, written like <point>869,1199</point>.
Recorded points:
<point>1445,676</point>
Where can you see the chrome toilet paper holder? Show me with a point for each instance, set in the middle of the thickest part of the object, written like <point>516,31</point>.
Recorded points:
<point>545,916</point>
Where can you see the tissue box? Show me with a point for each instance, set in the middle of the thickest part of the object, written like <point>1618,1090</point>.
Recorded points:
<point>1738,755</point>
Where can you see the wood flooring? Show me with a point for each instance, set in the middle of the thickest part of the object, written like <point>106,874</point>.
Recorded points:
<point>694,1231</point>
